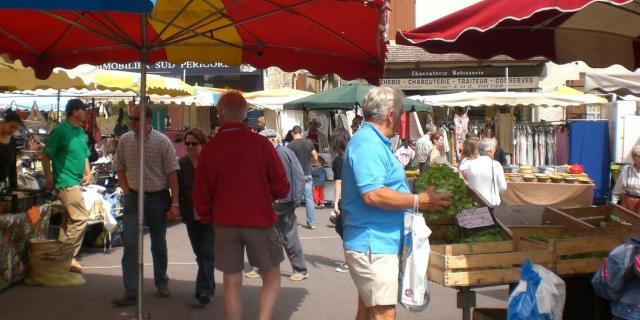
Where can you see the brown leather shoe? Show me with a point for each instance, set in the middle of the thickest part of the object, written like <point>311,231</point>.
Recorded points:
<point>125,300</point>
<point>75,266</point>
<point>163,292</point>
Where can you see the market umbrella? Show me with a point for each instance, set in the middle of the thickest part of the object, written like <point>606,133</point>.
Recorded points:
<point>345,98</point>
<point>599,32</point>
<point>274,99</point>
<point>320,36</point>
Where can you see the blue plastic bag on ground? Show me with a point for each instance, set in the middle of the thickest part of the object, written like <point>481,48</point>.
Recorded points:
<point>540,295</point>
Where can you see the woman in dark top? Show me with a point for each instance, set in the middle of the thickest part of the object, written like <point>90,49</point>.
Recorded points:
<point>200,235</point>
<point>8,126</point>
<point>339,140</point>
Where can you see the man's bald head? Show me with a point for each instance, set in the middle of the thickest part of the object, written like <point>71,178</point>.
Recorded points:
<point>233,107</point>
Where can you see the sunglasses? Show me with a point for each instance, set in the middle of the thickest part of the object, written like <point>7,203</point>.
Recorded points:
<point>191,144</point>
<point>134,118</point>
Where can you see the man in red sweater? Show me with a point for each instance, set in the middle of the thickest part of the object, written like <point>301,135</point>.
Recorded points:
<point>239,175</point>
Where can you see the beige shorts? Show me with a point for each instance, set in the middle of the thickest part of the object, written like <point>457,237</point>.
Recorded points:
<point>375,277</point>
<point>264,248</point>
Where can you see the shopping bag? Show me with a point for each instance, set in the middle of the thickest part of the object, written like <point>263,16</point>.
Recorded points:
<point>540,295</point>
<point>414,286</point>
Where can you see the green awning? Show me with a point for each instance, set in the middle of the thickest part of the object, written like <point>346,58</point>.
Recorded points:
<point>345,98</point>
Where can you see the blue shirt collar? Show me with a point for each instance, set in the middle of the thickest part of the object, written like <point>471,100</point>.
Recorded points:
<point>384,139</point>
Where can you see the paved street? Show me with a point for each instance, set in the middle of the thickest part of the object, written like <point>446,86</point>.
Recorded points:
<point>326,294</point>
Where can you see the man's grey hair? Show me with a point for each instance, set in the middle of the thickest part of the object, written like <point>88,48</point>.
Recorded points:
<point>379,101</point>
<point>429,128</point>
<point>233,106</point>
<point>486,147</point>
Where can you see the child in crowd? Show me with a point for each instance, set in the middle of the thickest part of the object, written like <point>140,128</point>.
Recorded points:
<point>319,176</point>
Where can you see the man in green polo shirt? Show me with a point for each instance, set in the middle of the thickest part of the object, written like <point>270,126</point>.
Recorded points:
<point>67,151</point>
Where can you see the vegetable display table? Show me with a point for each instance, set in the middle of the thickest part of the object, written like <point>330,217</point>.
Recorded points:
<point>560,195</point>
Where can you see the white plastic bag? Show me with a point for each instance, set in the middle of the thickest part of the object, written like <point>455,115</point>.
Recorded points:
<point>414,286</point>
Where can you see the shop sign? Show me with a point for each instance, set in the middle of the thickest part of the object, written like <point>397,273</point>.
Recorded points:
<point>463,83</point>
<point>465,72</point>
<point>186,68</point>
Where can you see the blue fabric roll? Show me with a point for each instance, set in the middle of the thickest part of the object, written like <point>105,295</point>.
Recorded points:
<point>589,146</point>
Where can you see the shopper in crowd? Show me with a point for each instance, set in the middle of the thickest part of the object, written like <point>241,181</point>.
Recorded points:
<point>339,140</point>
<point>214,131</point>
<point>424,147</point>
<point>286,207</point>
<point>200,234</point>
<point>67,153</point>
<point>469,152</point>
<point>305,153</point>
<point>375,196</point>
<point>627,188</point>
<point>9,124</point>
<point>356,123</point>
<point>235,165</point>
<point>319,179</point>
<point>317,138</point>
<point>161,200</point>
<point>486,175</point>
<point>437,155</point>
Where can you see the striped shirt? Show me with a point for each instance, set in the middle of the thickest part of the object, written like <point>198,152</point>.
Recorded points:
<point>628,182</point>
<point>159,160</point>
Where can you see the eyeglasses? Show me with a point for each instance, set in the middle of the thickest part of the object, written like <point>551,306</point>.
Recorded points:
<point>134,118</point>
<point>195,144</point>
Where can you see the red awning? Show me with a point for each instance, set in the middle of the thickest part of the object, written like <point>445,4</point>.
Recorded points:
<point>599,32</point>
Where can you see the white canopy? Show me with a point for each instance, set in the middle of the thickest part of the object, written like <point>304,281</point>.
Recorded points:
<point>274,99</point>
<point>625,82</point>
<point>556,98</point>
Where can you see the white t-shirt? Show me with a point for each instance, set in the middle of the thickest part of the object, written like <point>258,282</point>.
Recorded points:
<point>486,176</point>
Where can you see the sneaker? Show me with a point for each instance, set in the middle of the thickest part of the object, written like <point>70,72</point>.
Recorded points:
<point>125,300</point>
<point>343,268</point>
<point>311,226</point>
<point>163,292</point>
<point>320,206</point>
<point>332,218</point>
<point>296,276</point>
<point>203,299</point>
<point>75,266</point>
<point>252,274</point>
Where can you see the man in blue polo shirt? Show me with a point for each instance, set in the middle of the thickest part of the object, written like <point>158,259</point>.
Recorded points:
<point>375,195</point>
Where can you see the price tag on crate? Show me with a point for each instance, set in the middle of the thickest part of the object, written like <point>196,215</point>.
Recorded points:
<point>475,219</point>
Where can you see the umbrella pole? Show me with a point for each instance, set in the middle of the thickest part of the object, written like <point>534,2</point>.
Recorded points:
<point>141,134</point>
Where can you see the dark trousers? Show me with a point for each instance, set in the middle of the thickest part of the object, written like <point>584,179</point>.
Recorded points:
<point>288,229</point>
<point>202,237</point>
<point>156,206</point>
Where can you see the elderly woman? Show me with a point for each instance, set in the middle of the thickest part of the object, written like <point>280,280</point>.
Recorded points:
<point>200,235</point>
<point>486,175</point>
<point>627,188</point>
<point>375,195</point>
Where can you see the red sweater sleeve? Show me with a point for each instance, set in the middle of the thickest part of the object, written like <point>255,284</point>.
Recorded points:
<point>276,174</point>
<point>202,191</point>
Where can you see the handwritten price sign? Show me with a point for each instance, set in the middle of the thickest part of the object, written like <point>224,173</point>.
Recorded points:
<point>475,218</point>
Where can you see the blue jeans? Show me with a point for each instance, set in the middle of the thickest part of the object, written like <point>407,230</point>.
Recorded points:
<point>308,200</point>
<point>201,237</point>
<point>156,206</point>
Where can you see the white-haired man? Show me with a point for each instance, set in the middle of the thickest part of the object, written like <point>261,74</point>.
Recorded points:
<point>238,164</point>
<point>375,195</point>
<point>486,175</point>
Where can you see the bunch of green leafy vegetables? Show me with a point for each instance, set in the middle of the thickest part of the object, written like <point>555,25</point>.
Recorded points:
<point>455,234</point>
<point>445,180</point>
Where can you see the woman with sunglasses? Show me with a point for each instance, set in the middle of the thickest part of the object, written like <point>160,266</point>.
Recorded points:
<point>200,235</point>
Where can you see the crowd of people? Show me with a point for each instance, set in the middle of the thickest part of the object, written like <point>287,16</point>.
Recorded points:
<point>208,192</point>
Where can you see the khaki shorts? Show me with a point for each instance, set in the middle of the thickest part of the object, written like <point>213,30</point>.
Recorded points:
<point>375,277</point>
<point>264,248</point>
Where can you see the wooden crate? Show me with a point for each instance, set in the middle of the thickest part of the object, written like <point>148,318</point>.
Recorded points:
<point>459,265</point>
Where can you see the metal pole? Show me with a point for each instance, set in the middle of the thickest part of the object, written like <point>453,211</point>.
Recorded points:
<point>506,70</point>
<point>58,107</point>
<point>141,134</point>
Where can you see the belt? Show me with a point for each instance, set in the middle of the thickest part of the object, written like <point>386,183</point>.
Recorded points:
<point>150,193</point>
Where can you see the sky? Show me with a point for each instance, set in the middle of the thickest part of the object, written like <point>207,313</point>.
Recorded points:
<point>429,10</point>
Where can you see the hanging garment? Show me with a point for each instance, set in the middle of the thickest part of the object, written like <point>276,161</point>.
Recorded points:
<point>562,147</point>
<point>460,129</point>
<point>504,131</point>
<point>202,119</point>
<point>175,113</point>
<point>190,116</point>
